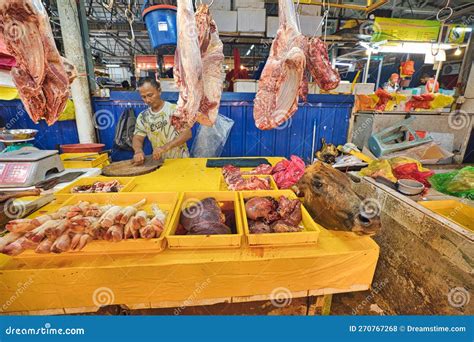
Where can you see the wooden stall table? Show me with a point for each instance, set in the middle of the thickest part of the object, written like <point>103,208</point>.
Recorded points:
<point>74,283</point>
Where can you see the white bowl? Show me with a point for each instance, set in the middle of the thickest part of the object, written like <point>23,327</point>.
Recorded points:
<point>410,187</point>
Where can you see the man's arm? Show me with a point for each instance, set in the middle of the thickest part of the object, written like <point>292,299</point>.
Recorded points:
<point>137,143</point>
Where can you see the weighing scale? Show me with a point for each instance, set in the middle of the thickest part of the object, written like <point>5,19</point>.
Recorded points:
<point>24,168</point>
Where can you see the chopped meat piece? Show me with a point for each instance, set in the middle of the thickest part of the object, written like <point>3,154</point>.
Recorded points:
<point>257,227</point>
<point>259,207</point>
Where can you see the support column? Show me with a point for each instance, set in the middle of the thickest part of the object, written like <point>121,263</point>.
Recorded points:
<point>71,34</point>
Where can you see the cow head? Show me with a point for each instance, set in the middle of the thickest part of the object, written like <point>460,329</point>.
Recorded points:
<point>329,198</point>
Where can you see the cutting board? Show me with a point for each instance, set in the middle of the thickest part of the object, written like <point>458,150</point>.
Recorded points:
<point>126,168</point>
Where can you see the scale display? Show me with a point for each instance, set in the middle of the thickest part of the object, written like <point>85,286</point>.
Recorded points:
<point>15,173</point>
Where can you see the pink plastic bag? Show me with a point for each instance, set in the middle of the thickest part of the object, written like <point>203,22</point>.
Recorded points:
<point>288,172</point>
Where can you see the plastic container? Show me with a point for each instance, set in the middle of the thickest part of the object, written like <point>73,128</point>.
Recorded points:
<point>223,184</point>
<point>160,22</point>
<point>309,235</point>
<point>79,148</point>
<point>206,241</point>
<point>456,211</point>
<point>166,201</point>
<point>92,160</point>
<point>127,182</point>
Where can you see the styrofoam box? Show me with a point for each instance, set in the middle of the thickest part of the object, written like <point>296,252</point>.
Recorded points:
<point>226,21</point>
<point>168,84</point>
<point>6,79</point>
<point>309,10</point>
<point>311,25</point>
<point>245,86</point>
<point>222,5</point>
<point>313,88</point>
<point>251,20</point>
<point>344,87</point>
<point>272,26</point>
<point>364,88</point>
<point>249,4</point>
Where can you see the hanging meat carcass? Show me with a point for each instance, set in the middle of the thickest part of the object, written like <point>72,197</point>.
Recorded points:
<point>212,56</point>
<point>40,74</point>
<point>188,68</point>
<point>317,59</point>
<point>279,85</point>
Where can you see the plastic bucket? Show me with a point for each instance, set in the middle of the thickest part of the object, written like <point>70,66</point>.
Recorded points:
<point>160,21</point>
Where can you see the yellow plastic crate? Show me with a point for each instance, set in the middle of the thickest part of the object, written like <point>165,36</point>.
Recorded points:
<point>99,160</point>
<point>309,235</point>
<point>127,182</point>
<point>456,211</point>
<point>206,241</point>
<point>166,201</point>
<point>273,186</point>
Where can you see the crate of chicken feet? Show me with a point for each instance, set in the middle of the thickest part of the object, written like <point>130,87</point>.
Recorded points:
<point>118,223</point>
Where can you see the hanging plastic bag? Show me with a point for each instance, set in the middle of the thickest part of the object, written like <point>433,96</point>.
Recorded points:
<point>125,129</point>
<point>210,141</point>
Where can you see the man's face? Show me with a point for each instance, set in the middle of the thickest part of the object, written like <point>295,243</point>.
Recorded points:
<point>150,95</point>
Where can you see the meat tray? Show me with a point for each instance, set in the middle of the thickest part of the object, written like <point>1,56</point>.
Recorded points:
<point>206,241</point>
<point>273,186</point>
<point>309,235</point>
<point>127,182</point>
<point>166,201</point>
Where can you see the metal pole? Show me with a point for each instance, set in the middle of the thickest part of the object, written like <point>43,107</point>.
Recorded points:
<point>440,63</point>
<point>87,46</point>
<point>379,73</point>
<point>367,66</point>
<point>71,33</point>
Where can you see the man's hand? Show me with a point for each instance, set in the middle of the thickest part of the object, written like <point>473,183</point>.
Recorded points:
<point>158,152</point>
<point>139,158</point>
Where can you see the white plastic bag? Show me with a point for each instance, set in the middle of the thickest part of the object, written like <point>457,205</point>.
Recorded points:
<point>210,141</point>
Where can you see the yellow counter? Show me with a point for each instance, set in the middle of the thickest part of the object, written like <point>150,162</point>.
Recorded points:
<point>68,283</point>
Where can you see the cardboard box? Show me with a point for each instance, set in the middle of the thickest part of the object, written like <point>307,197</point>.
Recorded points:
<point>221,5</point>
<point>272,26</point>
<point>249,4</point>
<point>364,88</point>
<point>226,21</point>
<point>251,20</point>
<point>311,25</point>
<point>245,86</point>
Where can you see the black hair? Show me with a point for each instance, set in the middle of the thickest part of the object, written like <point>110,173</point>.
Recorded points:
<point>156,84</point>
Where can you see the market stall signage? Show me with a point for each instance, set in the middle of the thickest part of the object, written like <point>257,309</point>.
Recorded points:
<point>405,29</point>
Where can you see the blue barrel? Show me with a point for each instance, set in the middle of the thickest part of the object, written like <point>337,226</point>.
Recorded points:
<point>160,22</point>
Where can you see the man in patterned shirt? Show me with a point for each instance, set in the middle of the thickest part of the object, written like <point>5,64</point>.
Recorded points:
<point>155,123</point>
